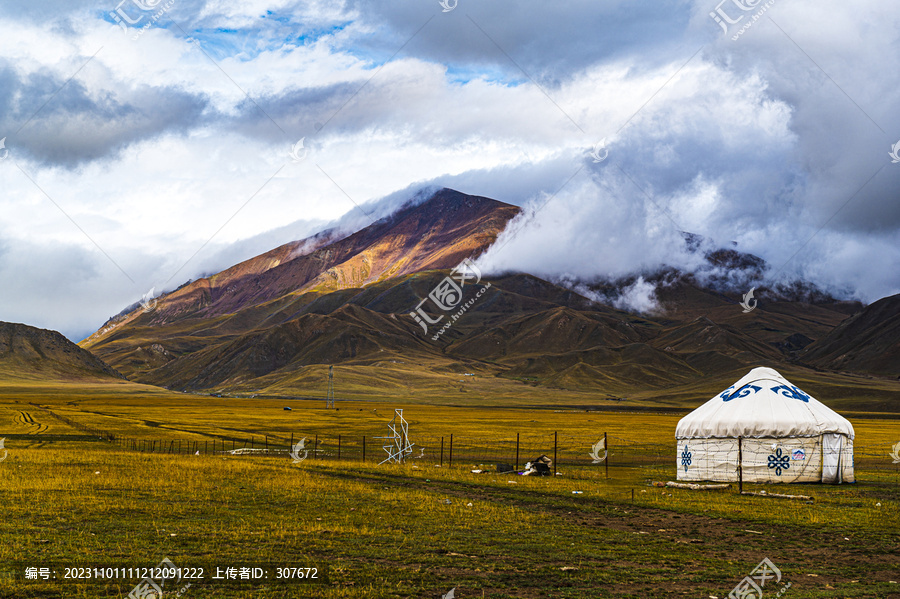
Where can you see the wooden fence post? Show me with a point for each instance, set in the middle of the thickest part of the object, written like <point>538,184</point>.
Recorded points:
<point>339,447</point>
<point>555,439</point>
<point>606,461</point>
<point>442,452</point>
<point>517,452</point>
<point>316,449</point>
<point>450,463</point>
<point>364,448</point>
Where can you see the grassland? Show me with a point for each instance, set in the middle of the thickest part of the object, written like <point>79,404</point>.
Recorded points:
<point>415,530</point>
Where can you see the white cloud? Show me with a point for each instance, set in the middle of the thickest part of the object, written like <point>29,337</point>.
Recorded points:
<point>151,148</point>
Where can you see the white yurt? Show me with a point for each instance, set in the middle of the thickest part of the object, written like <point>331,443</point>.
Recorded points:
<point>770,429</point>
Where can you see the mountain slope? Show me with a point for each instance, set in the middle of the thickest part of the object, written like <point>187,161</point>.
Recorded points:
<point>450,227</point>
<point>273,324</point>
<point>27,352</point>
<point>311,276</point>
<point>867,342</point>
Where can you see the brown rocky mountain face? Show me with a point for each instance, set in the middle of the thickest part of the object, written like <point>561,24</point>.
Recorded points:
<point>437,235</point>
<point>309,276</point>
<point>273,324</point>
<point>28,352</point>
<point>868,342</point>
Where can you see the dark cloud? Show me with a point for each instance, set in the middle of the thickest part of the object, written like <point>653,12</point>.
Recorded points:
<point>65,124</point>
<point>549,41</point>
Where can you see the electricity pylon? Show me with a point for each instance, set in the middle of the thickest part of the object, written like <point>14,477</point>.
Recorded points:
<point>329,396</point>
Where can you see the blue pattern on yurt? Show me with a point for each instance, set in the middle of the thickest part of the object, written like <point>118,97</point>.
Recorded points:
<point>685,458</point>
<point>792,392</point>
<point>742,392</point>
<point>779,462</point>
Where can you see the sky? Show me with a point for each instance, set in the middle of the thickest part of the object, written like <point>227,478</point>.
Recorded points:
<point>149,142</point>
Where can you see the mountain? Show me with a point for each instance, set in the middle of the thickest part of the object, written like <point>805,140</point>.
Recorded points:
<point>299,281</point>
<point>868,342</point>
<point>27,352</point>
<point>274,324</point>
<point>440,234</point>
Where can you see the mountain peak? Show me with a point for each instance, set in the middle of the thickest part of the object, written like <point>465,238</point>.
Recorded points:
<point>424,234</point>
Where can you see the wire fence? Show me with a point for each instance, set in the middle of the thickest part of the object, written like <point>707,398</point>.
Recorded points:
<point>778,458</point>
<point>94,432</point>
<point>512,453</point>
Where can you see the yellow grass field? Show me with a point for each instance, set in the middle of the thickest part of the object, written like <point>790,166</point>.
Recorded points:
<point>71,499</point>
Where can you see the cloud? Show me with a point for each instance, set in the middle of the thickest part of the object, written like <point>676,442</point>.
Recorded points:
<point>79,127</point>
<point>177,165</point>
<point>550,43</point>
<point>638,296</point>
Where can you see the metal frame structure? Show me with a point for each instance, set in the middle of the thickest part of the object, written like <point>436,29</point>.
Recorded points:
<point>399,447</point>
<point>329,394</point>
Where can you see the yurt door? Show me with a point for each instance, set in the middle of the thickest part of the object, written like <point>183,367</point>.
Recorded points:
<point>832,444</point>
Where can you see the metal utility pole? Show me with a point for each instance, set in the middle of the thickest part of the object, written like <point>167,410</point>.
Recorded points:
<point>329,396</point>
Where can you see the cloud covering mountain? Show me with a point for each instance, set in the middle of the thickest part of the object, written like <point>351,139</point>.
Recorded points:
<point>139,163</point>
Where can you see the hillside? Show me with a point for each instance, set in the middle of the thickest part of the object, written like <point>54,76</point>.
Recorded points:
<point>868,342</point>
<point>451,227</point>
<point>27,352</point>
<point>273,324</point>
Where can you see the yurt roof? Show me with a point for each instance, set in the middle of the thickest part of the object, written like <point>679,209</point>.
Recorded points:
<point>762,404</point>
